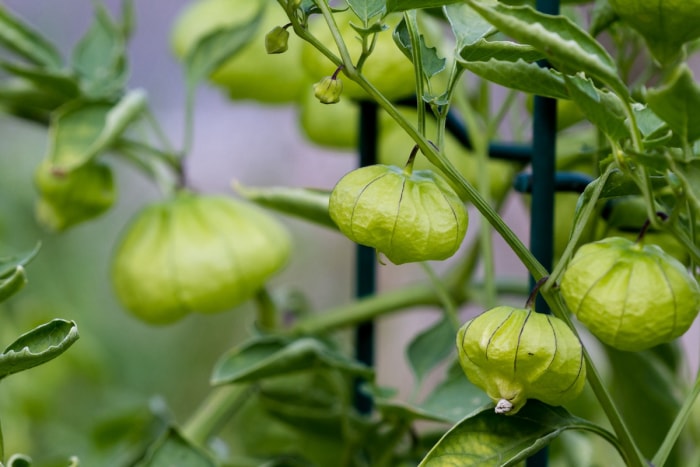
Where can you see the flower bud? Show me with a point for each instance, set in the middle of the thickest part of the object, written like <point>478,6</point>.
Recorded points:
<point>276,40</point>
<point>196,253</point>
<point>629,295</point>
<point>68,198</point>
<point>407,217</point>
<point>517,354</point>
<point>328,90</point>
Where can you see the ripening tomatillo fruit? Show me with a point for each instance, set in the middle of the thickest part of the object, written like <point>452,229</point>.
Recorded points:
<point>407,216</point>
<point>630,295</point>
<point>195,253</point>
<point>70,197</point>
<point>517,354</point>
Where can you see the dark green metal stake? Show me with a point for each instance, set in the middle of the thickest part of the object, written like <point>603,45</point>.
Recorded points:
<point>366,261</point>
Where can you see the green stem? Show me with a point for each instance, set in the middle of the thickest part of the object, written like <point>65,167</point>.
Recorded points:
<point>605,434</point>
<point>580,226</point>
<point>448,304</point>
<point>674,432</point>
<point>411,22</point>
<point>268,316</point>
<point>368,308</point>
<point>219,406</point>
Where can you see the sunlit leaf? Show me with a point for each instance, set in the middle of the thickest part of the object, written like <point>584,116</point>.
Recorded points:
<point>38,346</point>
<point>57,83</point>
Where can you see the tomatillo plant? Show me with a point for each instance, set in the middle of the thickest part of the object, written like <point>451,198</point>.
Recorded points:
<point>420,83</point>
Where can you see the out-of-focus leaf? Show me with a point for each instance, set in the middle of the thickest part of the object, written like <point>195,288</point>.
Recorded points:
<point>100,56</point>
<point>19,460</point>
<point>25,42</point>
<point>306,203</point>
<point>82,130</point>
<point>642,379</point>
<point>174,450</point>
<point>430,347</point>
<point>217,47</point>
<point>269,356</point>
<point>57,83</point>
<point>38,346</point>
<point>487,438</point>
<point>467,25</point>
<point>677,103</point>
<point>563,42</point>
<point>12,284</point>
<point>601,107</point>
<point>8,264</point>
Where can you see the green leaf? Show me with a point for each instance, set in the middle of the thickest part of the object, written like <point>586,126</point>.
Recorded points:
<point>641,379</point>
<point>27,43</point>
<point>430,347</point>
<point>173,449</point>
<point>82,130</point>
<point>54,82</point>
<point>8,264</point>
<point>520,75</point>
<point>100,57</point>
<point>38,346</point>
<point>677,103</point>
<point>566,45</point>
<point>432,63</point>
<point>306,203</point>
<point>403,5</point>
<point>483,50</point>
<point>270,356</point>
<point>367,9</point>
<point>455,397</point>
<point>217,47</point>
<point>12,284</point>
<point>601,107</point>
<point>467,25</point>
<point>452,399</point>
<point>487,438</point>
